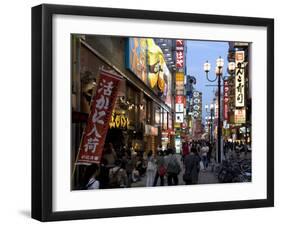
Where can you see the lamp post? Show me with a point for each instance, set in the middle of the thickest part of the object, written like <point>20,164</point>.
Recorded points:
<point>218,71</point>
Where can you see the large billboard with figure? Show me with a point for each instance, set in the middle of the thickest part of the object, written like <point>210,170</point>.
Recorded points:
<point>146,60</point>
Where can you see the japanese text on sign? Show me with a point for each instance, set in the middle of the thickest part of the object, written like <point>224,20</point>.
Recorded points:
<point>240,80</point>
<point>225,99</point>
<point>179,53</point>
<point>93,138</point>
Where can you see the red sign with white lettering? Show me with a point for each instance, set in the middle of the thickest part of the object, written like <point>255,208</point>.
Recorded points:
<point>179,42</point>
<point>93,137</point>
<point>180,99</point>
<point>179,53</point>
<point>179,59</point>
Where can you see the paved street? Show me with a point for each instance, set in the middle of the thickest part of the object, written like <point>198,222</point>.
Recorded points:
<point>205,177</point>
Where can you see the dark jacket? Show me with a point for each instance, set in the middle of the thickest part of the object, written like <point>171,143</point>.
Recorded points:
<point>191,164</point>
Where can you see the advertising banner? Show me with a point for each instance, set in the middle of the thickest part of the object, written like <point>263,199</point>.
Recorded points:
<point>179,77</point>
<point>225,99</point>
<point>179,54</point>
<point>119,120</point>
<point>179,107</point>
<point>239,79</point>
<point>240,116</point>
<point>197,104</point>
<point>146,60</point>
<point>93,137</point>
<point>180,99</point>
<point>136,57</point>
<point>179,117</point>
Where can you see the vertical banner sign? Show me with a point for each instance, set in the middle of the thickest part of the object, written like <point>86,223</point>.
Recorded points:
<point>216,108</point>
<point>179,54</point>
<point>239,79</point>
<point>93,137</point>
<point>225,99</point>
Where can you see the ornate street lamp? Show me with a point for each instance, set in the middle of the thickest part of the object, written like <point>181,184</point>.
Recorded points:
<point>219,74</point>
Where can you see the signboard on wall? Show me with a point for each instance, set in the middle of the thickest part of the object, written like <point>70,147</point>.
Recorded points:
<point>146,60</point>
<point>119,121</point>
<point>225,99</point>
<point>151,130</point>
<point>197,104</point>
<point>179,117</point>
<point>179,108</point>
<point>240,116</point>
<point>240,79</point>
<point>136,57</point>
<point>179,54</point>
<point>179,77</point>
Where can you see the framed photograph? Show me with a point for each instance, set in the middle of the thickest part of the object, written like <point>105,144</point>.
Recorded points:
<point>146,112</point>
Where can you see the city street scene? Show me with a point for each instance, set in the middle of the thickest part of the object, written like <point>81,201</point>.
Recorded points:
<point>150,112</point>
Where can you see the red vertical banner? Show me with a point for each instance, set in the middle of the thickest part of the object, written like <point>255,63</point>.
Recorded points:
<point>225,99</point>
<point>179,54</point>
<point>93,137</point>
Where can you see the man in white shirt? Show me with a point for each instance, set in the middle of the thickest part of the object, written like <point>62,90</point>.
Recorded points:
<point>204,152</point>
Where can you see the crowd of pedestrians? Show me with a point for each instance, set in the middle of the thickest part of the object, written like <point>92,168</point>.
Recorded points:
<point>163,167</point>
<point>117,169</point>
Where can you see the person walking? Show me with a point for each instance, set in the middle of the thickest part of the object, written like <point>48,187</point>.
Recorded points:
<point>160,169</point>
<point>173,167</point>
<point>109,155</point>
<point>204,153</point>
<point>90,175</point>
<point>118,176</point>
<point>150,169</point>
<point>129,165</point>
<point>185,149</point>
<point>209,154</point>
<point>108,160</point>
<point>192,167</point>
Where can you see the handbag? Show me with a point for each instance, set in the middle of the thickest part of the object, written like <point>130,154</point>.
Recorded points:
<point>162,170</point>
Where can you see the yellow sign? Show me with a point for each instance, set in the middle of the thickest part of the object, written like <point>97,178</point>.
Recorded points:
<point>146,60</point>
<point>155,60</point>
<point>179,77</point>
<point>177,125</point>
<point>119,121</point>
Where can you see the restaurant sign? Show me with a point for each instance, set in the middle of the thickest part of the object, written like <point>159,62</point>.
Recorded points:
<point>240,79</point>
<point>102,103</point>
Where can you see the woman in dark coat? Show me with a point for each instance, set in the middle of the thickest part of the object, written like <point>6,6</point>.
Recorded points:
<point>191,164</point>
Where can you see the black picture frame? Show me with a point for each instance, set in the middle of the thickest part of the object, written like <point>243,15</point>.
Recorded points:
<point>42,111</point>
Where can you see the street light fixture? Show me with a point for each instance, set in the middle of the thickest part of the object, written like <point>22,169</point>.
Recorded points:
<point>231,67</point>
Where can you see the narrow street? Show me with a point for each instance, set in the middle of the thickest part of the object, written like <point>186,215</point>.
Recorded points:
<point>170,100</point>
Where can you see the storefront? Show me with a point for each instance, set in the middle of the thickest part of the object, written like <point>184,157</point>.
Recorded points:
<point>140,113</point>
